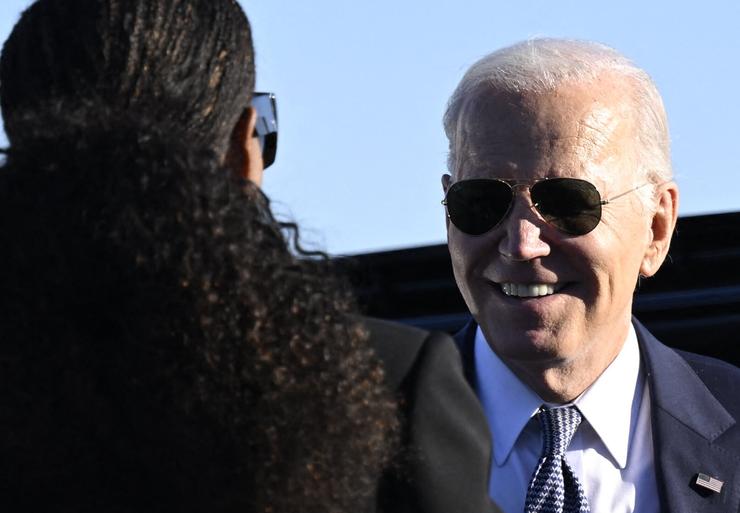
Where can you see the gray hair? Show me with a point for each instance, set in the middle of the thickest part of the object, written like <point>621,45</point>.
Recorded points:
<point>542,65</point>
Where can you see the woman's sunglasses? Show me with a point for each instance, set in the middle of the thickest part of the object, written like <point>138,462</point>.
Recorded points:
<point>266,128</point>
<point>571,205</point>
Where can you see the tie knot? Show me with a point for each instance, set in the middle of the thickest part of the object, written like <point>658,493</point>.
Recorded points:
<point>558,427</point>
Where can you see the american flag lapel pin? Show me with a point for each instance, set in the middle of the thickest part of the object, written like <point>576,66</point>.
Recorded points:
<point>710,483</point>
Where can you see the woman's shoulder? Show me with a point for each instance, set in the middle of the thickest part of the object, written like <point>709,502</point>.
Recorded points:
<point>405,350</point>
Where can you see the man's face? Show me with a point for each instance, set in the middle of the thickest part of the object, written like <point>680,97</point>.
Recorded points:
<point>579,131</point>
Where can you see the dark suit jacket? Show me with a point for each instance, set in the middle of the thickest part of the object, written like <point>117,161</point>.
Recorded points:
<point>695,403</point>
<point>445,461</point>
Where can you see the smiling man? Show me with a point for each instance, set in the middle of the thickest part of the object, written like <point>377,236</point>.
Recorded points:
<point>559,198</point>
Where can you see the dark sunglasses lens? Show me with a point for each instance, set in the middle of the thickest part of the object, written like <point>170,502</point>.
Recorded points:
<point>569,204</point>
<point>476,206</point>
<point>269,149</point>
<point>266,127</point>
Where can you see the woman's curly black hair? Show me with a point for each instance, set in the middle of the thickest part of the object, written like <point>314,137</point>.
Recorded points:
<point>161,346</point>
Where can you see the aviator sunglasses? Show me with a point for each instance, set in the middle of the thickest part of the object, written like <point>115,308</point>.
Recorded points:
<point>571,205</point>
<point>266,127</point>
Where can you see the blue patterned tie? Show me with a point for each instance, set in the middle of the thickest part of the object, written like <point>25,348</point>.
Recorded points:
<point>554,487</point>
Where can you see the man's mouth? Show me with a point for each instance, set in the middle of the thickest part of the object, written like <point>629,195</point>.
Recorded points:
<point>530,289</point>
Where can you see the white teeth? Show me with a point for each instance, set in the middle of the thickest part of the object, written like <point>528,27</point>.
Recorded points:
<point>528,290</point>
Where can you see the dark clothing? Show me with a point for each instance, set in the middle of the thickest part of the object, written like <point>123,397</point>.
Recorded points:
<point>445,459</point>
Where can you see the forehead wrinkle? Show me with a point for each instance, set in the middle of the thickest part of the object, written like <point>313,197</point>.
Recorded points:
<point>479,150</point>
<point>596,133</point>
<point>473,161</point>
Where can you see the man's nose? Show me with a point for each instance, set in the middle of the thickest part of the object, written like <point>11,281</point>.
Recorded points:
<point>522,232</point>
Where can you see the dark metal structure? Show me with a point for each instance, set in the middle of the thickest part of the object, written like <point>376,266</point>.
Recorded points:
<point>693,303</point>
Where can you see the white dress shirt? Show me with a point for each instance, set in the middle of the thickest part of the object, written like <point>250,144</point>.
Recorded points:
<point>611,453</point>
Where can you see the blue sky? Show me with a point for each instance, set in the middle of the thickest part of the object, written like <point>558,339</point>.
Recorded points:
<point>362,86</point>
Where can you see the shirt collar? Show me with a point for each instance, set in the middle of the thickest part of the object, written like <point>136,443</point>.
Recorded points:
<point>507,412</point>
<point>610,404</point>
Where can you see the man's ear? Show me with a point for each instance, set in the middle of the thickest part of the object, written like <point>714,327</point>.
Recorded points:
<point>245,148</point>
<point>662,226</point>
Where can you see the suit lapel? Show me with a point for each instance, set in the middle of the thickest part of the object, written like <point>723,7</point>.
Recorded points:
<point>465,340</point>
<point>688,423</point>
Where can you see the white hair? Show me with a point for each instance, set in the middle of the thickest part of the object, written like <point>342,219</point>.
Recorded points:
<point>541,65</point>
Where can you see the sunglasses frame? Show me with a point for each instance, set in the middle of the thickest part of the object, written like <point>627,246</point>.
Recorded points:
<point>266,127</point>
<point>528,184</point>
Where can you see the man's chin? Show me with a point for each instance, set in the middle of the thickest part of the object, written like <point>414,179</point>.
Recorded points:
<point>531,344</point>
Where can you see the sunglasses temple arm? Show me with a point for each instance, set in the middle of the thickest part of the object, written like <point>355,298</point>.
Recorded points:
<point>607,201</point>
